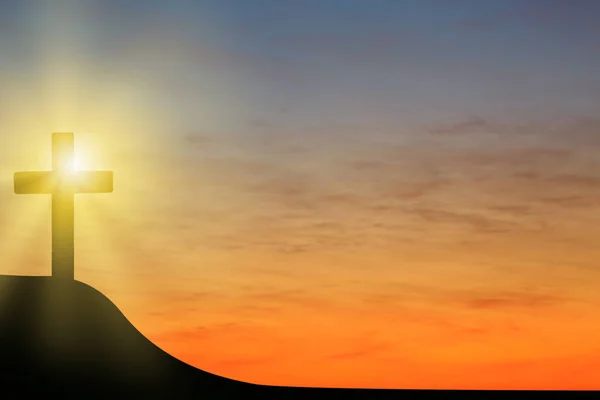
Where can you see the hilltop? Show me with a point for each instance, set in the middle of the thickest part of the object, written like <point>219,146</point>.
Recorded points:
<point>66,337</point>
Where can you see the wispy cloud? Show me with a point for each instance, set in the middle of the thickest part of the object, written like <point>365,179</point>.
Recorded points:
<point>509,300</point>
<point>362,351</point>
<point>473,125</point>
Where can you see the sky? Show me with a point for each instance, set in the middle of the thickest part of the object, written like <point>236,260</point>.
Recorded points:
<point>373,193</point>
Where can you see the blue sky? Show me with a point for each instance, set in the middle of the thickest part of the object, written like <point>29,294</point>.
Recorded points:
<point>383,57</point>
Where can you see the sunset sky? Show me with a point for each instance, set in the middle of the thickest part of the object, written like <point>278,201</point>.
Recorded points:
<point>352,193</point>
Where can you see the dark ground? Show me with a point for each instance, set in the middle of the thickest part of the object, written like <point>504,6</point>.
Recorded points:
<point>67,339</point>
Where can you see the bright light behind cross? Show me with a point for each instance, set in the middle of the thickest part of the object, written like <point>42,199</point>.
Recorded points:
<point>75,165</point>
<point>72,167</point>
<point>122,124</point>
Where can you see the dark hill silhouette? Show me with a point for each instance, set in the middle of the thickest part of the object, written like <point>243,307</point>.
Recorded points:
<point>63,337</point>
<point>66,337</point>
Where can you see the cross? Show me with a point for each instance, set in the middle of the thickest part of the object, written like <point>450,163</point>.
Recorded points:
<point>63,182</point>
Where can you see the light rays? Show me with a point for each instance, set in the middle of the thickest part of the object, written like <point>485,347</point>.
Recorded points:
<point>26,229</point>
<point>120,124</point>
<point>109,118</point>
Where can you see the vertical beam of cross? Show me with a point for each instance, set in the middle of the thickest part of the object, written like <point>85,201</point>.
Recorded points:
<point>63,213</point>
<point>63,183</point>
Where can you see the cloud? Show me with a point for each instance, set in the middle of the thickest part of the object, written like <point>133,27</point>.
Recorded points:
<point>222,331</point>
<point>580,181</point>
<point>573,131</point>
<point>413,190</point>
<point>287,298</point>
<point>471,125</point>
<point>551,133</point>
<point>410,297</point>
<point>508,300</point>
<point>573,190</point>
<point>490,165</point>
<point>370,194</point>
<point>479,222</point>
<point>193,334</point>
<point>361,351</point>
<point>233,364</point>
<point>513,209</point>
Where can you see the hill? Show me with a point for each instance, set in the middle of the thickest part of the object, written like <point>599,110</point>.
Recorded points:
<point>67,338</point>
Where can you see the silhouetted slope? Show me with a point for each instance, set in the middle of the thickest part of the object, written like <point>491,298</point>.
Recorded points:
<point>67,337</point>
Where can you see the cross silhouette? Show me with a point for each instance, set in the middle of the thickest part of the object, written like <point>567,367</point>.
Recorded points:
<point>63,182</point>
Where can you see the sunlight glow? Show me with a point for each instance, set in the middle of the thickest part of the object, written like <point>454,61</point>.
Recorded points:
<point>73,166</point>
<point>117,126</point>
<point>122,122</point>
<point>76,164</point>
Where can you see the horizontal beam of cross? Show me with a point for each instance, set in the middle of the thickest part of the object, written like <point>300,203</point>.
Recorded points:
<point>47,182</point>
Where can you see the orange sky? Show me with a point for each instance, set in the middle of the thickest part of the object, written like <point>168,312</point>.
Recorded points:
<point>477,270</point>
<point>448,249</point>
